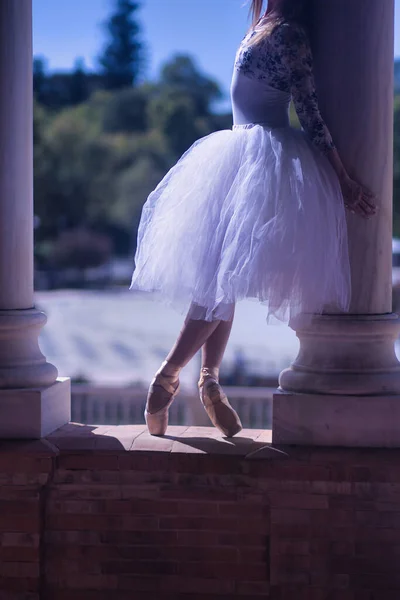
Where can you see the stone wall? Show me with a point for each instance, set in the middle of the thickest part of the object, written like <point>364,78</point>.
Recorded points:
<point>109,512</point>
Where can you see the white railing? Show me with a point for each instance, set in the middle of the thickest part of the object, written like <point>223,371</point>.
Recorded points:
<point>98,405</point>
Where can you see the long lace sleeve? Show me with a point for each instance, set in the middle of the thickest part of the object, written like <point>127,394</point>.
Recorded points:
<point>297,57</point>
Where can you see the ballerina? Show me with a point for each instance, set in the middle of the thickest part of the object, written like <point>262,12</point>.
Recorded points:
<point>253,212</point>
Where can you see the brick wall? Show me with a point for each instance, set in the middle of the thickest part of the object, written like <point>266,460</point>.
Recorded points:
<point>113,513</point>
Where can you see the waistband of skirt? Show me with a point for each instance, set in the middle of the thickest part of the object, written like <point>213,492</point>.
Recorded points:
<point>261,124</point>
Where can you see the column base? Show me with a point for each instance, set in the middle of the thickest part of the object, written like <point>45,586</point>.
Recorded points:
<point>32,413</point>
<point>345,355</point>
<point>349,421</point>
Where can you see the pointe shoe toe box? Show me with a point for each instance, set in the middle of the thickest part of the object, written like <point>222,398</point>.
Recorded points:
<point>220,412</point>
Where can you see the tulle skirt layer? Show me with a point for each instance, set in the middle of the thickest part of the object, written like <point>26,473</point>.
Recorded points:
<point>246,213</point>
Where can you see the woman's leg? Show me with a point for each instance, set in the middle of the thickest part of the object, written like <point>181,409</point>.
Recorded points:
<point>213,397</point>
<point>192,337</point>
<point>214,348</point>
<point>212,336</point>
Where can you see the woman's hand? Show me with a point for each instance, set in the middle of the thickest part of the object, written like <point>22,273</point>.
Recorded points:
<point>357,198</point>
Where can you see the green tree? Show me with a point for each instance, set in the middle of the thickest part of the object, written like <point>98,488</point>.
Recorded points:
<point>397,76</point>
<point>79,88</point>
<point>182,74</point>
<point>40,79</point>
<point>174,115</point>
<point>81,249</point>
<point>126,111</point>
<point>122,59</point>
<point>72,172</point>
<point>96,162</point>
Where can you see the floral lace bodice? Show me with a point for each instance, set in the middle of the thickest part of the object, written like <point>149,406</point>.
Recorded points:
<point>283,60</point>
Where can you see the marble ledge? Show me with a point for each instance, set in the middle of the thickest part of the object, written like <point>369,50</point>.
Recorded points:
<point>111,442</point>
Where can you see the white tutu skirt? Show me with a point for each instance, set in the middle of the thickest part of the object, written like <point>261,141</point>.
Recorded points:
<point>246,213</point>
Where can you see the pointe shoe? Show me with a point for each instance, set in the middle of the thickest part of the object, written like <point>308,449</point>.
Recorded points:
<point>157,422</point>
<point>217,406</point>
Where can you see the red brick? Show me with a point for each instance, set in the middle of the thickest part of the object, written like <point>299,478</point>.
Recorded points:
<point>19,540</point>
<point>16,507</point>
<point>63,476</point>
<point>20,554</point>
<point>211,570</point>
<point>250,525</point>
<point>291,562</point>
<point>83,507</point>
<point>342,549</point>
<point>144,478</point>
<point>112,552</point>
<point>298,547</point>
<point>84,522</point>
<point>375,595</point>
<point>149,491</point>
<point>129,461</point>
<point>9,492</point>
<point>252,540</point>
<point>95,492</point>
<point>98,462</point>
<point>304,472</point>
<point>140,567</point>
<point>141,506</point>
<point>252,588</point>
<point>375,581</point>
<point>84,581</point>
<point>238,509</point>
<point>376,535</point>
<point>196,538</point>
<point>63,566</point>
<point>73,537</point>
<point>372,550</point>
<point>340,581</point>
<point>338,517</point>
<point>319,547</point>
<point>253,555</point>
<point>198,523</point>
<point>24,463</point>
<point>177,584</point>
<point>298,501</point>
<point>78,551</point>
<point>19,596</point>
<point>19,523</point>
<point>330,488</point>
<point>290,516</point>
<point>136,523</point>
<point>283,576</point>
<point>56,593</point>
<point>19,584</point>
<point>142,538</point>
<point>60,594</point>
<point>200,509</point>
<point>19,569</point>
<point>216,495</point>
<point>342,595</point>
<point>378,564</point>
<point>288,592</point>
<point>388,519</point>
<point>201,553</point>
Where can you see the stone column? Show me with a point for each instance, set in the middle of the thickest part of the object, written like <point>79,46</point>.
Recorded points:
<point>342,388</point>
<point>33,401</point>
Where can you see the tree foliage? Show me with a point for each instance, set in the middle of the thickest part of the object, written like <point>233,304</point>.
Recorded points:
<point>122,59</point>
<point>96,162</point>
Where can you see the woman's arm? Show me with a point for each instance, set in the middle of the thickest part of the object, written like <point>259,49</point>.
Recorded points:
<point>297,56</point>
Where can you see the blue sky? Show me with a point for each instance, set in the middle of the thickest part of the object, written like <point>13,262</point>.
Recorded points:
<point>210,30</point>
